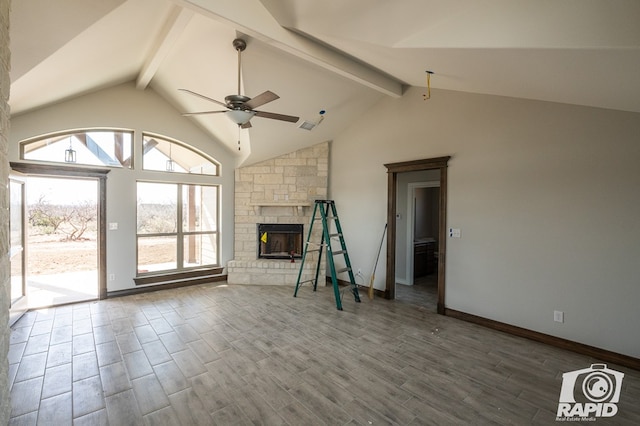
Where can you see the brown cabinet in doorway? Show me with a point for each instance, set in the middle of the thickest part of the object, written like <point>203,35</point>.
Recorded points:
<point>423,257</point>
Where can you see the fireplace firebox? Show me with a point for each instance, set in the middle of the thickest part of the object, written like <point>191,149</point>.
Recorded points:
<point>279,241</point>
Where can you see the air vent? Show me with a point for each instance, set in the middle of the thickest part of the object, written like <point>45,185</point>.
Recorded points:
<point>307,125</point>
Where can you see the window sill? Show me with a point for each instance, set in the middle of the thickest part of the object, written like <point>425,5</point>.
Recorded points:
<point>179,277</point>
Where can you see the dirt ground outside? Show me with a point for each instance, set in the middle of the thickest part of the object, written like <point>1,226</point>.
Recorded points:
<point>51,254</point>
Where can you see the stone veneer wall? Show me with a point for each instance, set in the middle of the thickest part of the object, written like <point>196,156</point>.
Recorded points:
<point>5,283</point>
<point>267,192</point>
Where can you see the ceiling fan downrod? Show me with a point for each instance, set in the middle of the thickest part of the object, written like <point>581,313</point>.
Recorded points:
<point>239,44</point>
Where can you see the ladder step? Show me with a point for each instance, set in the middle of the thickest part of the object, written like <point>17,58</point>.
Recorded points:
<point>306,281</point>
<point>339,271</point>
<point>313,250</point>
<point>334,235</point>
<point>337,252</point>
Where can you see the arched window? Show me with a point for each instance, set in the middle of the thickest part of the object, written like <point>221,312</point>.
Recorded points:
<point>177,219</point>
<point>95,147</point>
<point>163,154</point>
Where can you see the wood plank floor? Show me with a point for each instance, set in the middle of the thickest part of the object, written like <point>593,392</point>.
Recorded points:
<point>242,355</point>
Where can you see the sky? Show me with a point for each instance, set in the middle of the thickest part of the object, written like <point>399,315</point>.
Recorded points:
<point>62,191</point>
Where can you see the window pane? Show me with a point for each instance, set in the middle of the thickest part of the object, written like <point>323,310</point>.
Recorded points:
<point>199,208</point>
<point>157,254</point>
<point>157,208</point>
<point>92,147</point>
<point>168,156</point>
<point>164,246</point>
<point>200,250</point>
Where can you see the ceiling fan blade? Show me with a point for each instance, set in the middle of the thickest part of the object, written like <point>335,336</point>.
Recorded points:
<point>246,125</point>
<point>261,99</point>
<point>186,114</point>
<point>204,97</point>
<point>273,115</point>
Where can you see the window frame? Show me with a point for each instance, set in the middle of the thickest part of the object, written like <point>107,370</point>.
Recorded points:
<point>183,145</point>
<point>180,234</point>
<point>70,132</point>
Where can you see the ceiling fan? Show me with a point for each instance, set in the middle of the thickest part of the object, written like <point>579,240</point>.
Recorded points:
<point>240,108</point>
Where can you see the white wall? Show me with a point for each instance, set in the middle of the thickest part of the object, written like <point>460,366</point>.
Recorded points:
<point>546,196</point>
<point>126,107</point>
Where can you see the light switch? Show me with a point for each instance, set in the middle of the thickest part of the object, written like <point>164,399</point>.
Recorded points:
<point>454,233</point>
<point>558,316</point>
<point>113,226</point>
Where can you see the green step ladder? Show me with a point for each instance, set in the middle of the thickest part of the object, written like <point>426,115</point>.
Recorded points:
<point>326,210</point>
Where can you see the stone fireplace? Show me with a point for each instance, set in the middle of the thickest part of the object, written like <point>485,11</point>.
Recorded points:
<point>280,191</point>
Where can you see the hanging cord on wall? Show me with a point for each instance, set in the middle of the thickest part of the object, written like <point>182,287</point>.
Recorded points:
<point>428,94</point>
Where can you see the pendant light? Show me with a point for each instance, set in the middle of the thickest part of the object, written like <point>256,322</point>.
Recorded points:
<point>69,153</point>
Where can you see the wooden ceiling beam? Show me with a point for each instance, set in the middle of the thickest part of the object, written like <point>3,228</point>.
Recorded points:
<point>173,27</point>
<point>254,20</point>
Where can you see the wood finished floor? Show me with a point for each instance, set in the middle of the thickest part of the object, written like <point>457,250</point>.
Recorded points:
<point>423,292</point>
<point>240,355</point>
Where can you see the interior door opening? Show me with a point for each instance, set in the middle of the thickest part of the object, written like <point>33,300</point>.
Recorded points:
<point>62,240</point>
<point>416,254</point>
<point>400,175</point>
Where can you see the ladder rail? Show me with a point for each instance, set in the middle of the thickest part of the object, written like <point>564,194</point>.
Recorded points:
<point>347,261</point>
<point>330,260</point>
<point>304,257</point>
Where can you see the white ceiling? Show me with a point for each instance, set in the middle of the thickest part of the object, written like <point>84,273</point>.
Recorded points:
<point>336,55</point>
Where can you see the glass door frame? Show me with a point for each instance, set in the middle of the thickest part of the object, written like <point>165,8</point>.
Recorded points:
<point>18,305</point>
<point>80,172</point>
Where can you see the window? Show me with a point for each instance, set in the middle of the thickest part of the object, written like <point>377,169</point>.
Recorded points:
<point>177,226</point>
<point>161,154</point>
<point>110,148</point>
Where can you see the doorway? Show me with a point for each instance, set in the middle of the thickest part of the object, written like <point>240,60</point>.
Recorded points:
<point>422,230</point>
<point>394,174</point>
<point>416,253</point>
<point>62,236</point>
<point>65,234</point>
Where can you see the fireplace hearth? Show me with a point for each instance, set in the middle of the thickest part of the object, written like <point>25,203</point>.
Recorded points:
<point>279,241</point>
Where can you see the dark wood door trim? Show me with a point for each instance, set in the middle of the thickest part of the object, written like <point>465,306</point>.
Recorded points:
<point>81,172</point>
<point>439,163</point>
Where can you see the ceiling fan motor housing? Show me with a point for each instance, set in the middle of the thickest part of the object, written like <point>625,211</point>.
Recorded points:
<point>236,101</point>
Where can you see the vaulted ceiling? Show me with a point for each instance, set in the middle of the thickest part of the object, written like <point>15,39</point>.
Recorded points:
<point>334,55</point>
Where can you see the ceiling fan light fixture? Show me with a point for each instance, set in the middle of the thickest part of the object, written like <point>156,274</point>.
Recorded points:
<point>239,116</point>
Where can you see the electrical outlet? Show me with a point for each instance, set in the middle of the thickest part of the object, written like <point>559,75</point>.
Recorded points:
<point>112,277</point>
<point>558,316</point>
